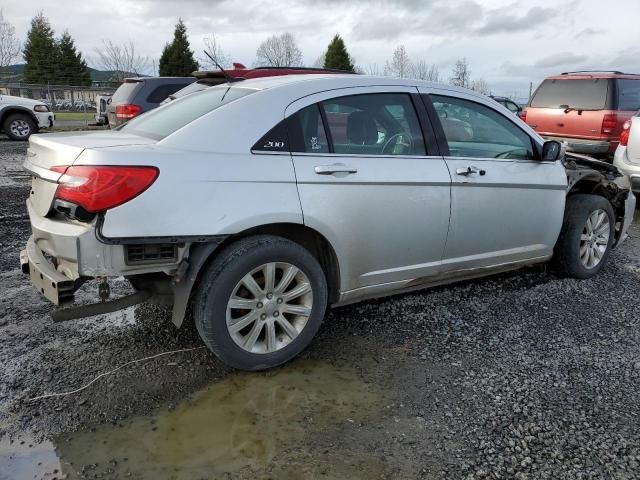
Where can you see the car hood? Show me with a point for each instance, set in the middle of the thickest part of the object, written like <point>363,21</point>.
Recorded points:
<point>25,102</point>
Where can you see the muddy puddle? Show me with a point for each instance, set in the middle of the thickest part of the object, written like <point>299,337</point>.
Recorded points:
<point>280,424</point>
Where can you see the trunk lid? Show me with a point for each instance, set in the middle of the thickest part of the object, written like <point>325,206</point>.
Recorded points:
<point>46,151</point>
<point>585,124</point>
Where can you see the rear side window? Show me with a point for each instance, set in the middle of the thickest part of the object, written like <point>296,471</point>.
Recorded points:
<point>579,94</point>
<point>374,124</point>
<point>628,94</point>
<point>161,92</point>
<point>475,130</point>
<point>307,131</point>
<point>165,120</point>
<point>125,92</point>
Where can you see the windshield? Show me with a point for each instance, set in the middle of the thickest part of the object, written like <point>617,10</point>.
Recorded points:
<point>579,94</point>
<point>163,121</point>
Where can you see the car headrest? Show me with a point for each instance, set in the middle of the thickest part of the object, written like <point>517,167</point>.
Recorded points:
<point>362,129</point>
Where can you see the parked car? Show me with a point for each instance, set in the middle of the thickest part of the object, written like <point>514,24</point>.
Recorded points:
<point>210,78</point>
<point>584,109</point>
<point>22,117</point>
<point>508,104</point>
<point>627,156</point>
<point>102,101</point>
<point>263,202</point>
<point>141,94</point>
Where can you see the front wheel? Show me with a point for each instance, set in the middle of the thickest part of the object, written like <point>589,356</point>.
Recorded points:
<point>19,126</point>
<point>260,302</point>
<point>586,237</point>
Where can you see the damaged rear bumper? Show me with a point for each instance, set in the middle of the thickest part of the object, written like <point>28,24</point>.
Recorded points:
<point>55,286</point>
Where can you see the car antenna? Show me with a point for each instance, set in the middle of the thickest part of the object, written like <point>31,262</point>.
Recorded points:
<point>227,77</point>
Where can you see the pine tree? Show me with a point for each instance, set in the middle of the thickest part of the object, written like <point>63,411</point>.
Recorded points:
<point>40,52</point>
<point>177,58</point>
<point>337,56</point>
<point>72,69</point>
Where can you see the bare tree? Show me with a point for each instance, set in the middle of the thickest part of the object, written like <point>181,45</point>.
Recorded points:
<point>122,60</point>
<point>279,51</point>
<point>213,48</point>
<point>373,69</point>
<point>9,43</point>
<point>400,65</point>
<point>480,86</point>
<point>319,62</point>
<point>461,75</point>
<point>422,70</point>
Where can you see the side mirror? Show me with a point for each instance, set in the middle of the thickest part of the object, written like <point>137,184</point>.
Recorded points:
<point>551,151</point>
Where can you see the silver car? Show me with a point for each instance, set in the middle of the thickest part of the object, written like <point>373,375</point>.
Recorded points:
<point>627,156</point>
<point>261,204</point>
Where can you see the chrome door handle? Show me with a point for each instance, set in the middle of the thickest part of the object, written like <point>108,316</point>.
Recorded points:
<point>334,168</point>
<point>470,170</point>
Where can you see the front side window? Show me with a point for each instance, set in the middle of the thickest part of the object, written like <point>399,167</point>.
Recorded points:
<point>474,130</point>
<point>373,124</point>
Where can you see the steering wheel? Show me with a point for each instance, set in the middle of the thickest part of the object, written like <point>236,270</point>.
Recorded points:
<point>400,138</point>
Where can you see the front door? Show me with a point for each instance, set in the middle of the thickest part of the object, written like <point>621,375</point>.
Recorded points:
<point>368,183</point>
<point>506,205</point>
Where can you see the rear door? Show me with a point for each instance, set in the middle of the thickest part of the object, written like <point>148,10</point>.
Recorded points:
<point>571,107</point>
<point>506,205</point>
<point>371,184</point>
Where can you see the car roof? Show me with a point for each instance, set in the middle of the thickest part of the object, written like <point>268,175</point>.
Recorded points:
<point>586,74</point>
<point>335,81</point>
<point>158,79</point>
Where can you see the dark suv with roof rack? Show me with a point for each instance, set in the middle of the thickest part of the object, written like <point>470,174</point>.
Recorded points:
<point>586,109</point>
<point>210,78</point>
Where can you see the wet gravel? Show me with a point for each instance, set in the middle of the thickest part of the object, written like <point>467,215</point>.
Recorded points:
<point>522,376</point>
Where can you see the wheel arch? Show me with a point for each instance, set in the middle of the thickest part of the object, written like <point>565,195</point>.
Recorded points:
<point>593,182</point>
<point>202,254</point>
<point>8,110</point>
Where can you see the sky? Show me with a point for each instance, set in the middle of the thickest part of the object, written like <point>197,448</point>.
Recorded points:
<point>507,43</point>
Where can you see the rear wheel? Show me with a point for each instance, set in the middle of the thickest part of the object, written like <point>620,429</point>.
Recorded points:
<point>260,302</point>
<point>19,126</point>
<point>585,241</point>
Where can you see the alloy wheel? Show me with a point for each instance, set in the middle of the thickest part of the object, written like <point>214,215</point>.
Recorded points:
<point>269,307</point>
<point>20,128</point>
<point>594,239</point>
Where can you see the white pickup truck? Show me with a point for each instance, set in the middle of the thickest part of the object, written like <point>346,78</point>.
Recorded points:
<point>22,117</point>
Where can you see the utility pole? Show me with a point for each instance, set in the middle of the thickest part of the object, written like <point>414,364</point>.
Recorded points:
<point>530,91</point>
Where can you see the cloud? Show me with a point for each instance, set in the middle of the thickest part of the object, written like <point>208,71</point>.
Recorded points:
<point>589,32</point>
<point>560,59</point>
<point>500,21</point>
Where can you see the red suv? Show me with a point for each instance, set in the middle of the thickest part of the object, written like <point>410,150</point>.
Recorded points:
<point>585,109</point>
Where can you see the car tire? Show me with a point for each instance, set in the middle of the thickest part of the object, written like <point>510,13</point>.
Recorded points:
<point>238,278</point>
<point>585,240</point>
<point>19,126</point>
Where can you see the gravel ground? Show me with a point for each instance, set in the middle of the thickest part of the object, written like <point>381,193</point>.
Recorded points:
<point>521,375</point>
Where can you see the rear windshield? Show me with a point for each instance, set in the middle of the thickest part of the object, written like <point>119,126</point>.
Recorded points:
<point>581,94</point>
<point>628,94</point>
<point>124,93</point>
<point>165,120</point>
<point>195,87</point>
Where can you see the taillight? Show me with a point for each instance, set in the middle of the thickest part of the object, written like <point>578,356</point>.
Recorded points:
<point>609,123</point>
<point>99,188</point>
<point>523,115</point>
<point>624,135</point>
<point>127,111</point>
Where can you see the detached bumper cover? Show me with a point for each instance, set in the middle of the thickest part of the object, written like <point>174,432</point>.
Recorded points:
<point>585,146</point>
<point>55,286</point>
